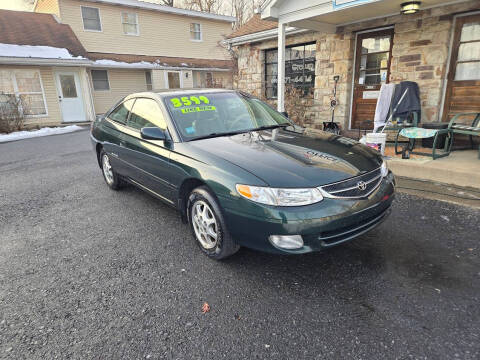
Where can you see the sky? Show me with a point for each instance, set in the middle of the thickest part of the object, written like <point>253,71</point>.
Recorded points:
<point>17,4</point>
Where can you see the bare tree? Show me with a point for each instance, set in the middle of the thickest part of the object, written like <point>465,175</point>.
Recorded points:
<point>211,6</point>
<point>243,10</point>
<point>166,2</point>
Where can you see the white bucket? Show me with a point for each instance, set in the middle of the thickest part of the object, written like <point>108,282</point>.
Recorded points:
<point>377,141</point>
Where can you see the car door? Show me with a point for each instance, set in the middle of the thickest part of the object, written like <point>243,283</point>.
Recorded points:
<point>149,160</point>
<point>115,126</point>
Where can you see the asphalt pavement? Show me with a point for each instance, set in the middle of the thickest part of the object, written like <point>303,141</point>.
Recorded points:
<point>87,272</point>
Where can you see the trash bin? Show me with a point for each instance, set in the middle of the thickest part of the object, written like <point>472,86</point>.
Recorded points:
<point>428,142</point>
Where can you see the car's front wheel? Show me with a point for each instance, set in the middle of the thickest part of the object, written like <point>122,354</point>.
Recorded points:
<point>208,225</point>
<point>111,177</point>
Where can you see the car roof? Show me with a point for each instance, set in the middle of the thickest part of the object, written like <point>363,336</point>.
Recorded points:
<point>168,92</point>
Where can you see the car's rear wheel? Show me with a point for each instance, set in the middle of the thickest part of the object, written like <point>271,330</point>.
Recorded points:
<point>208,225</point>
<point>111,177</point>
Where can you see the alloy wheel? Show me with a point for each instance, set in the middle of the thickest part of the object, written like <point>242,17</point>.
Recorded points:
<point>107,169</point>
<point>204,224</point>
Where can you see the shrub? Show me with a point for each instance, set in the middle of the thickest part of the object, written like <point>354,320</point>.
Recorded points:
<point>11,113</point>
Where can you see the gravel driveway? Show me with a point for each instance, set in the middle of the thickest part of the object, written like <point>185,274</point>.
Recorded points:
<point>86,272</point>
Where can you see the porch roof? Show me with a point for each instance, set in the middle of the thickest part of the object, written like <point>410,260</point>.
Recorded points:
<point>320,15</point>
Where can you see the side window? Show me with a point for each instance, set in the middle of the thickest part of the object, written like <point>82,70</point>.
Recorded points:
<point>120,114</point>
<point>91,18</point>
<point>146,113</point>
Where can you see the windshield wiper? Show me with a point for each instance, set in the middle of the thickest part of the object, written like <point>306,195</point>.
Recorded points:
<point>212,135</point>
<point>268,127</point>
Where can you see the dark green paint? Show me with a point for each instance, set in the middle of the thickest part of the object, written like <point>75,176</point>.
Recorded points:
<point>292,160</point>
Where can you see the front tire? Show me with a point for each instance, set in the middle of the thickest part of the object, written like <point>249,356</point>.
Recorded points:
<point>208,225</point>
<point>109,175</point>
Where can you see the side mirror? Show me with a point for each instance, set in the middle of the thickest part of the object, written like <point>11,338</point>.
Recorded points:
<point>153,133</point>
<point>284,113</point>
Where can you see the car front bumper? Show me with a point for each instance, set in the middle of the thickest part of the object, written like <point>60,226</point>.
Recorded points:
<point>321,225</point>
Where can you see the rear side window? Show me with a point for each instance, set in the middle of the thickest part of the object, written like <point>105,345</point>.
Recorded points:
<point>146,113</point>
<point>120,114</point>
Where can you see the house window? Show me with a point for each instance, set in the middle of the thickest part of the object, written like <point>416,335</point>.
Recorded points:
<point>130,23</point>
<point>195,32</point>
<point>100,80</point>
<point>91,18</point>
<point>468,58</point>
<point>173,80</point>
<point>148,79</point>
<point>299,68</point>
<point>25,86</point>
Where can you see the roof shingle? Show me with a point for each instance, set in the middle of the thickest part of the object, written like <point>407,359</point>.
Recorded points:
<point>163,60</point>
<point>29,28</point>
<point>254,25</point>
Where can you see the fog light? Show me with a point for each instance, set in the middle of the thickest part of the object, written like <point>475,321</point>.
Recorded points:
<point>289,242</point>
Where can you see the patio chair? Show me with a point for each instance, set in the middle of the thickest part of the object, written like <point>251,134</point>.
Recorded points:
<point>453,128</point>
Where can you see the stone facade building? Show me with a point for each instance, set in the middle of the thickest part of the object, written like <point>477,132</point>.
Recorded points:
<point>416,47</point>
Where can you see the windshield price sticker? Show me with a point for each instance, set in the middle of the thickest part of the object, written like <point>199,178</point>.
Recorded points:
<point>198,109</point>
<point>189,100</point>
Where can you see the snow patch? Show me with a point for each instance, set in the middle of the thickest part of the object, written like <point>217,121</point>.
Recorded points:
<point>29,51</point>
<point>19,135</point>
<point>113,63</point>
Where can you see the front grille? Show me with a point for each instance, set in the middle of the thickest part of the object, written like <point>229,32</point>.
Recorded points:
<point>337,236</point>
<point>351,188</point>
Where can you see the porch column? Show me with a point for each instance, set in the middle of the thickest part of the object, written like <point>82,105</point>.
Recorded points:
<point>281,68</point>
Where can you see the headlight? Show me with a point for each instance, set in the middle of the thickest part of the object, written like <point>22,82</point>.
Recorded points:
<point>384,168</point>
<point>280,197</point>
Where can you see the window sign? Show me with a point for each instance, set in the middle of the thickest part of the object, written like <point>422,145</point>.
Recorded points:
<point>299,68</point>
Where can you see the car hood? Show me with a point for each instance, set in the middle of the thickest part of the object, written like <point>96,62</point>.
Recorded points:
<point>292,159</point>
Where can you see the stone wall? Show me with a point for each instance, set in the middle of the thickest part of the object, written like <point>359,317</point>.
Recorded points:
<point>420,53</point>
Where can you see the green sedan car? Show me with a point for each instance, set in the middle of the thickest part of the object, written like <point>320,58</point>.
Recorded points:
<point>241,173</point>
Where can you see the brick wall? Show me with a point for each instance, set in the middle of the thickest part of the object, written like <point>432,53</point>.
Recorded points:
<point>420,53</point>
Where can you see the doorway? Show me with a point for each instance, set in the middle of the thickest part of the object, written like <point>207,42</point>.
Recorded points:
<point>70,96</point>
<point>372,69</point>
<point>173,80</point>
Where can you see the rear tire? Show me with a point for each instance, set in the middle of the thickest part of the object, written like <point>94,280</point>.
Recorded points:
<point>112,179</point>
<point>208,225</point>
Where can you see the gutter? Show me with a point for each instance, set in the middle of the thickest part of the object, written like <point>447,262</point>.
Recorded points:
<point>92,64</point>
<point>262,35</point>
<point>43,61</point>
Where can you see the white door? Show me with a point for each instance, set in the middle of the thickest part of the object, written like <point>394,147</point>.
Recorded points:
<point>70,96</point>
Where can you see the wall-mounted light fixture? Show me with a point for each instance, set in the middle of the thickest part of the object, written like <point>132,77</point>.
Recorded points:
<point>410,7</point>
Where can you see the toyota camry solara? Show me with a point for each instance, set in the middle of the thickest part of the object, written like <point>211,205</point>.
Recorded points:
<point>241,173</point>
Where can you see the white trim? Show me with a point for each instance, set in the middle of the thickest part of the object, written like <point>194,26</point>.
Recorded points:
<point>166,9</point>
<point>355,64</point>
<point>449,59</point>
<point>201,32</point>
<point>108,80</point>
<point>263,35</point>
<point>99,18</point>
<point>43,61</point>
<point>137,23</point>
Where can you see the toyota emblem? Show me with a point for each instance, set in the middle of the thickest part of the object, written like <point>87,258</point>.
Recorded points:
<point>361,185</point>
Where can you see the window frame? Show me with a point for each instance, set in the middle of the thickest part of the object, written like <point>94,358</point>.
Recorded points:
<point>167,83</point>
<point>266,63</point>
<point>99,18</point>
<point>17,93</point>
<point>126,23</point>
<point>93,82</point>
<point>200,31</point>
<point>133,108</point>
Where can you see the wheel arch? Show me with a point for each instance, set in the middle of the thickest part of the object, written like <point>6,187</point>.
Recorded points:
<point>99,148</point>
<point>184,191</point>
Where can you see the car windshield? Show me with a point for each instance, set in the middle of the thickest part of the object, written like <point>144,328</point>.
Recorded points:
<point>201,115</point>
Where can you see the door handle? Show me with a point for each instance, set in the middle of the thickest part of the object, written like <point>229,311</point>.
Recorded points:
<point>123,143</point>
